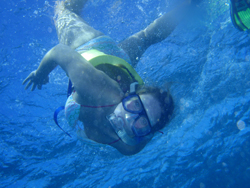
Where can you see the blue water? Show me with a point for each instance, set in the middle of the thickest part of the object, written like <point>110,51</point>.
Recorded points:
<point>206,64</point>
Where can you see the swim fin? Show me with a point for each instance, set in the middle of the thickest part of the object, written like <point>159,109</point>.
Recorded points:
<point>240,14</point>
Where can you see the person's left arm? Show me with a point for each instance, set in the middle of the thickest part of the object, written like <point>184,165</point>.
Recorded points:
<point>157,31</point>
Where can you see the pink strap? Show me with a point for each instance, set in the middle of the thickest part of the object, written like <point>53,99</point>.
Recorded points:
<point>114,141</point>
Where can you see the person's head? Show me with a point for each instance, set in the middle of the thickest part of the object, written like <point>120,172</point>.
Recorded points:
<point>145,110</point>
<point>159,105</point>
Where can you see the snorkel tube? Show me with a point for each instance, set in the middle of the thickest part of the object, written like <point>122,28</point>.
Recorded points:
<point>133,87</point>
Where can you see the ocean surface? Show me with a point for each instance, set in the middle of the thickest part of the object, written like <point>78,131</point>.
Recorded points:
<point>205,63</point>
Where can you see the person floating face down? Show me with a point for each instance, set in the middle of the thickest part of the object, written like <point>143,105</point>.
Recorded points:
<point>113,110</point>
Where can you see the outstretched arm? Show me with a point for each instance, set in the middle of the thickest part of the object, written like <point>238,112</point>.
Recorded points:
<point>62,55</point>
<point>39,77</point>
<point>157,31</point>
<point>87,80</point>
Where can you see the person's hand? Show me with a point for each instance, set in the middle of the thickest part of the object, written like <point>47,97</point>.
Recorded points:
<point>37,81</point>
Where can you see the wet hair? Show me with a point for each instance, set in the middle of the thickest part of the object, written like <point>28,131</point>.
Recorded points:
<point>166,104</point>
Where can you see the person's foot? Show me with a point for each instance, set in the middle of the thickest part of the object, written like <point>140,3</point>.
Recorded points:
<point>75,6</point>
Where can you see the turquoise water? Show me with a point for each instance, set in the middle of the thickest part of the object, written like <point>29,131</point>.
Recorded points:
<point>204,62</point>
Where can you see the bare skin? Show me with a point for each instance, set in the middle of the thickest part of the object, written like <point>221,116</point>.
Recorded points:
<point>94,87</point>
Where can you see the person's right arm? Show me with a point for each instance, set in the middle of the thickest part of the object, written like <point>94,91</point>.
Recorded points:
<point>87,80</point>
<point>69,60</point>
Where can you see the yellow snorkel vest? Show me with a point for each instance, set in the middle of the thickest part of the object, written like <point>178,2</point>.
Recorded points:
<point>115,67</point>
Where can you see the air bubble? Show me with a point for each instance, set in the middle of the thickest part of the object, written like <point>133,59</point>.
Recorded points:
<point>49,29</point>
<point>241,125</point>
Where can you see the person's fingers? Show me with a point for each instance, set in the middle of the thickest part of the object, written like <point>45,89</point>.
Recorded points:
<point>39,86</point>
<point>28,85</point>
<point>33,87</point>
<point>27,79</point>
<point>46,80</point>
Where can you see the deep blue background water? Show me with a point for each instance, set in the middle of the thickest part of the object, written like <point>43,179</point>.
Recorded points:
<point>205,62</point>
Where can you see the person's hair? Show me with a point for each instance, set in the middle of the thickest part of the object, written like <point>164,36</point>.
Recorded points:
<point>166,104</point>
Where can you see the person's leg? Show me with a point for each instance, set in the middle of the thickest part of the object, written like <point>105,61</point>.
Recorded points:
<point>71,29</point>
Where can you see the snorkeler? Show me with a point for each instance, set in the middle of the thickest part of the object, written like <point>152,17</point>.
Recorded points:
<point>106,94</point>
<point>240,14</point>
